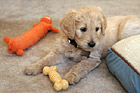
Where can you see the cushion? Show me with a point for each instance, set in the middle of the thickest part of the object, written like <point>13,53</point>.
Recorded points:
<point>123,61</point>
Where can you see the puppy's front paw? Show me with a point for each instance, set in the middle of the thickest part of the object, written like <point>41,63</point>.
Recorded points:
<point>32,70</point>
<point>72,78</point>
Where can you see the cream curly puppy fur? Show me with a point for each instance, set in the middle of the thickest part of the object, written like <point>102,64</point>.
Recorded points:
<point>91,34</point>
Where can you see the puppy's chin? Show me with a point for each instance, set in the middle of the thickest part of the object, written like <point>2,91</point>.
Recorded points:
<point>86,48</point>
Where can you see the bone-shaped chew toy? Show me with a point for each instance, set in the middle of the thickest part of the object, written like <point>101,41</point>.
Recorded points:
<point>54,76</point>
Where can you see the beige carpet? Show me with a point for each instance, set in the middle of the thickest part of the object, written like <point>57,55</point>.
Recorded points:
<point>17,16</point>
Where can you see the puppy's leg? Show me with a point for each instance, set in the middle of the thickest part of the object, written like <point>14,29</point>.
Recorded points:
<point>49,59</point>
<point>80,69</point>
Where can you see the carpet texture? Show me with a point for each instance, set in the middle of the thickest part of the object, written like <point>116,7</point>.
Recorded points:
<point>17,16</point>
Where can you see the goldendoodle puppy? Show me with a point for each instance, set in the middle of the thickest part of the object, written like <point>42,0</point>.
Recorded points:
<point>87,34</point>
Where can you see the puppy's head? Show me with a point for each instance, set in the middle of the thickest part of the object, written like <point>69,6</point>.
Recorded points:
<point>85,25</point>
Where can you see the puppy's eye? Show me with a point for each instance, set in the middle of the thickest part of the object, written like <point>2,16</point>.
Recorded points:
<point>97,28</point>
<point>83,29</point>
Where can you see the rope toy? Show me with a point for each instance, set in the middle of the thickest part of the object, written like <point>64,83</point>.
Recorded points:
<point>29,38</point>
<point>54,76</point>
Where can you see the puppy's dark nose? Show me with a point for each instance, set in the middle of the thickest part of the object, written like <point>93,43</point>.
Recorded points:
<point>91,44</point>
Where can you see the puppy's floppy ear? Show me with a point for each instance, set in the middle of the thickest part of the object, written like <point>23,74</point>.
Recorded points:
<point>67,24</point>
<point>103,24</point>
<point>103,20</point>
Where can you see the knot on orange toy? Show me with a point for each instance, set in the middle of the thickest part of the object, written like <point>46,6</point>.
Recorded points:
<point>47,20</point>
<point>7,39</point>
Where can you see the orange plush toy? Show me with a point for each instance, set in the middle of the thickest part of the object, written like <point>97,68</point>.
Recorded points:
<point>29,38</point>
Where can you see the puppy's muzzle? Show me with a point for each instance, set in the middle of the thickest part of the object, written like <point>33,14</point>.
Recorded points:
<point>91,44</point>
